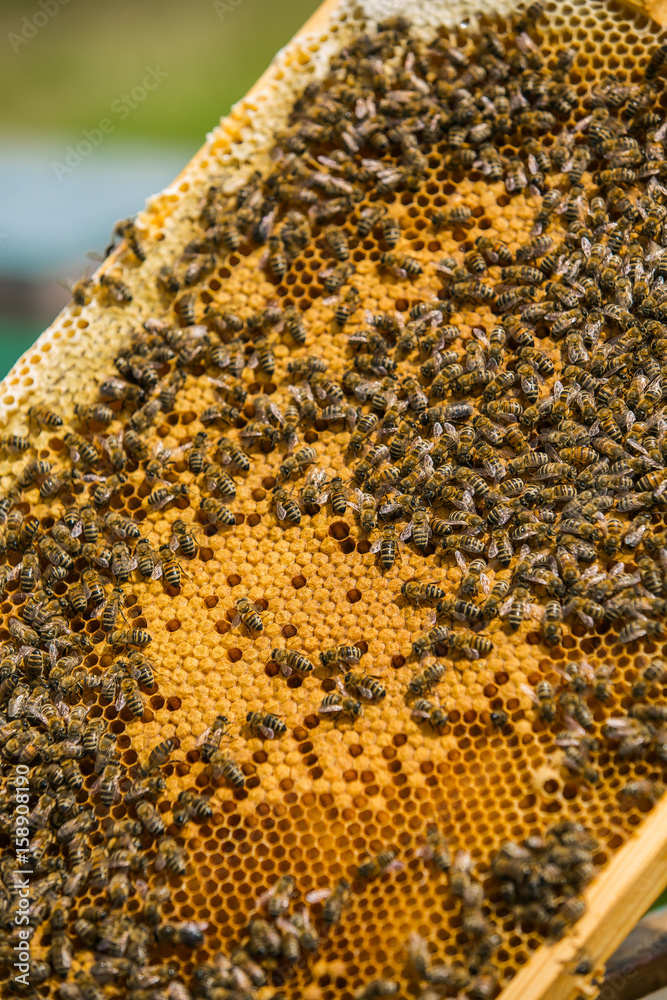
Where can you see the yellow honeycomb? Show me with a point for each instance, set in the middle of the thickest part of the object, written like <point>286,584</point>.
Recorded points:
<point>328,794</point>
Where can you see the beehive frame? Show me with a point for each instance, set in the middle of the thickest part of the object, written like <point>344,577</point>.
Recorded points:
<point>331,788</point>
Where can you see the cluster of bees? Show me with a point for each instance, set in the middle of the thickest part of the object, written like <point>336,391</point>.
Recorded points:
<point>530,453</point>
<point>539,881</point>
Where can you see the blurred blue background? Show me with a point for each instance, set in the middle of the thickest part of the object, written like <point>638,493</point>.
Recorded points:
<point>66,66</point>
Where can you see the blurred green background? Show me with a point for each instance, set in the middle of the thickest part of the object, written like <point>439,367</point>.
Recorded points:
<point>67,65</point>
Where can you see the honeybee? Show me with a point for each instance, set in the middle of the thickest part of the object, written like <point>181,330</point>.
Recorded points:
<point>429,640</point>
<point>391,230</point>
<point>108,489</point>
<point>462,610</point>
<point>81,450</point>
<point>426,679</point>
<point>170,855</point>
<point>150,818</point>
<point>387,546</point>
<point>13,444</point>
<point>229,452</point>
<point>369,217</point>
<point>652,674</point>
<point>210,740</point>
<point>289,660</point>
<point>30,572</point>
<point>222,766</point>
<point>109,784</point>
<point>551,623</point>
<point>60,954</point>
<point>248,614</point>
<point>402,265</point>
<point>456,216</point>
<point>277,261</point>
<point>383,862</point>
<point>473,576</point>
<point>377,988</point>
<point>340,654</point>
<point>167,282</point>
<point>435,716</point>
<point>642,789</point>
<point>112,609</point>
<point>336,901</point>
<point>337,243</point>
<point>362,684</point>
<point>165,494</point>
<point>417,593</point>
<point>43,417</point>
<point>182,538</point>
<point>335,278</point>
<point>543,696</point>
<point>266,724</point>
<point>130,696</point>
<point>519,609</point>
<point>217,513</point>
<point>470,645</point>
<point>116,290</point>
<point>129,637</point>
<point>286,507</point>
<point>339,703</point>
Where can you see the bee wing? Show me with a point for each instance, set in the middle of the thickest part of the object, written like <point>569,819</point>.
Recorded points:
<point>407,531</point>
<point>204,736</point>
<point>365,692</point>
<point>163,503</point>
<point>504,608</point>
<point>530,693</point>
<point>420,713</point>
<point>365,389</point>
<point>266,732</point>
<point>318,895</point>
<point>493,548</point>
<point>329,708</point>
<point>460,560</point>
<point>174,542</point>
<point>375,547</point>
<point>286,926</point>
<point>120,699</point>
<point>619,728</point>
<point>576,730</point>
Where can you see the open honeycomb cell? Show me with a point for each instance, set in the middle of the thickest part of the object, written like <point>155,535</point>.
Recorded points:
<point>459,837</point>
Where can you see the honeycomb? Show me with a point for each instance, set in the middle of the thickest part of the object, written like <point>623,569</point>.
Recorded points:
<point>326,797</point>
